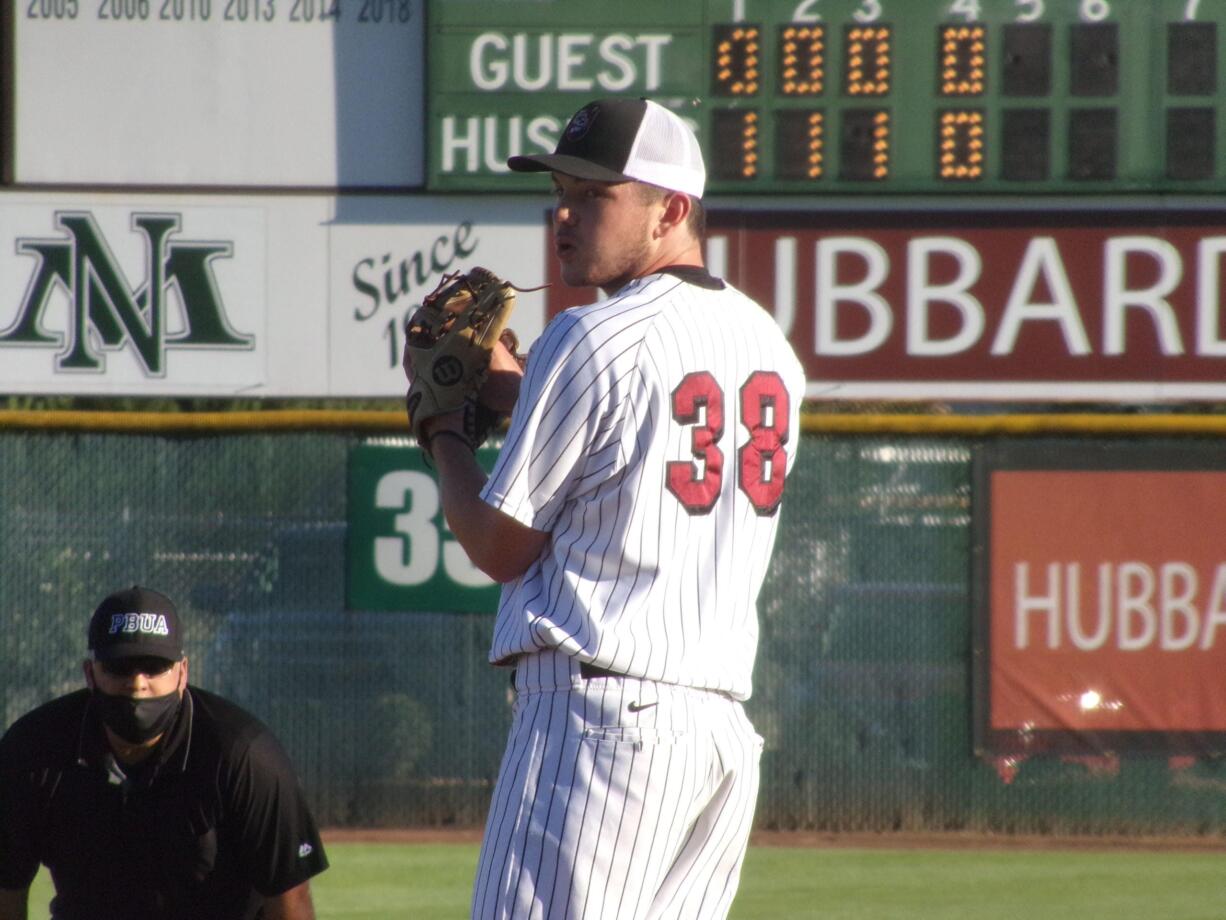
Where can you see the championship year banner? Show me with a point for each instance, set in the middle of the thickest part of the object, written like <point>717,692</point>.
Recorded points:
<point>400,554</point>
<point>272,93</point>
<point>1100,596</point>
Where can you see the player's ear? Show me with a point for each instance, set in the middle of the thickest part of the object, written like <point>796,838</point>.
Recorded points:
<point>183,676</point>
<point>87,668</point>
<point>677,207</point>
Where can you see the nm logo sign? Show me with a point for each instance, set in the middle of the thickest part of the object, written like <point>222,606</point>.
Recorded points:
<point>133,301</point>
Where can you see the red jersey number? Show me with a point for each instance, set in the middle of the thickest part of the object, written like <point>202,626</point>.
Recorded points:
<point>761,463</point>
<point>699,492</point>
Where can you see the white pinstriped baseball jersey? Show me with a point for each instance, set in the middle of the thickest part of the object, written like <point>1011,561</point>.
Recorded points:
<point>651,439</point>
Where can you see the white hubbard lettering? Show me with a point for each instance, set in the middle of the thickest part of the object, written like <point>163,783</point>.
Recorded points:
<point>1042,262</point>
<point>1172,607</point>
<point>1140,275</point>
<point>1119,297</point>
<point>872,267</point>
<point>921,293</point>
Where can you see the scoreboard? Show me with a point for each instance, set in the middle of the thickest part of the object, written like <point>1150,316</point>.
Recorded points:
<point>848,96</point>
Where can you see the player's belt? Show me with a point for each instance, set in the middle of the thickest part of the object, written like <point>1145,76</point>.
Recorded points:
<point>587,671</point>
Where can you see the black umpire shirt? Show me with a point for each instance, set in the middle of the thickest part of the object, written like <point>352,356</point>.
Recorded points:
<point>209,824</point>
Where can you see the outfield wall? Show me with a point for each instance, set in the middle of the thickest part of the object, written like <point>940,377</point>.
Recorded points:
<point>864,683</point>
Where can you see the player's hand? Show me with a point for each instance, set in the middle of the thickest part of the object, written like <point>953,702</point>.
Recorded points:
<point>501,387</point>
<point>406,364</point>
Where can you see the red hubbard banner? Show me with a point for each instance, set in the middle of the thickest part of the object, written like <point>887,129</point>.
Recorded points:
<point>1052,305</point>
<point>1107,601</point>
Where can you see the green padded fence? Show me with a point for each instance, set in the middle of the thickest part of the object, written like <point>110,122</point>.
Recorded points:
<point>863,685</point>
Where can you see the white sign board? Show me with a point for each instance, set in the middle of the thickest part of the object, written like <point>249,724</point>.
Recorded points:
<point>390,252</point>
<point>275,93</point>
<point>240,296</point>
<point>110,299</point>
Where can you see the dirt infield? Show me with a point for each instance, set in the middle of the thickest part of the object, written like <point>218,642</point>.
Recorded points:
<point>953,840</point>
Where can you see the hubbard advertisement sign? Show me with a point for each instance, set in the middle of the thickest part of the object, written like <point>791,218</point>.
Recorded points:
<point>1101,594</point>
<point>980,306</point>
<point>400,553</point>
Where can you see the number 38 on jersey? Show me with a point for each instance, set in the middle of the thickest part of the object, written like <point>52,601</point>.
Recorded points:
<point>761,464</point>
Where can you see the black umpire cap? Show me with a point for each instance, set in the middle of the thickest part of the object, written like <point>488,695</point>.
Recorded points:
<point>135,622</point>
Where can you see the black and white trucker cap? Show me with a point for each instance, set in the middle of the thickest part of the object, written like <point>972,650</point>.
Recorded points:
<point>616,140</point>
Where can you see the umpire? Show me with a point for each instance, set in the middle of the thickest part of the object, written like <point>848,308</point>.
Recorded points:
<point>148,798</point>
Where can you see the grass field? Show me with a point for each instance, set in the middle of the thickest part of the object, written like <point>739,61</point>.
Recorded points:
<point>383,881</point>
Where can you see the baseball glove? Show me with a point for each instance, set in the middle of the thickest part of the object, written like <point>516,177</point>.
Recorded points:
<point>448,342</point>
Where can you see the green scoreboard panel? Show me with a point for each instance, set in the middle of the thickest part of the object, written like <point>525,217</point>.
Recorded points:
<point>848,96</point>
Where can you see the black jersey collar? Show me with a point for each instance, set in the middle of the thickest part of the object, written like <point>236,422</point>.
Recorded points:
<point>696,275</point>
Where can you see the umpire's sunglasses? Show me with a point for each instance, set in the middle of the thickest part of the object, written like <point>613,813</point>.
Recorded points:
<point>127,667</point>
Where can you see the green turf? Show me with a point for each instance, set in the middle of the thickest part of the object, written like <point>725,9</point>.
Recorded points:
<point>391,881</point>
<point>369,881</point>
<point>799,884</point>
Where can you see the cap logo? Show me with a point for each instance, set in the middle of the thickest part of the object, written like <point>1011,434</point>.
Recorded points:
<point>153,624</point>
<point>581,123</point>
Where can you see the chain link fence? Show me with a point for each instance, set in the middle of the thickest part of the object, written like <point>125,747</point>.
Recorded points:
<point>862,688</point>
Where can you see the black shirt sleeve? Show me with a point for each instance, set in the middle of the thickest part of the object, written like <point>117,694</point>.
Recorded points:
<point>18,806</point>
<point>273,833</point>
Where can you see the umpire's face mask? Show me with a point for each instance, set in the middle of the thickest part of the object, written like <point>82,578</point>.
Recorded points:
<point>137,720</point>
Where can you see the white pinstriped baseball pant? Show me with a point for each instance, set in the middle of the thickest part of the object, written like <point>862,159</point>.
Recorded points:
<point>617,799</point>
